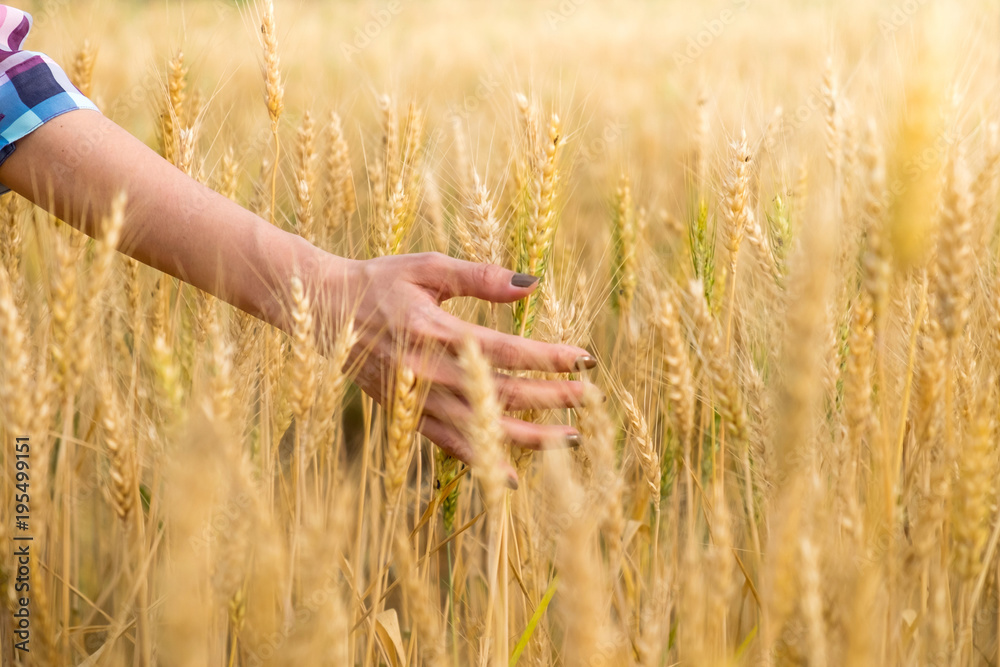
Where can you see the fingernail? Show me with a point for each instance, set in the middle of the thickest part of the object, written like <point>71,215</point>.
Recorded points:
<point>586,362</point>
<point>512,483</point>
<point>573,440</point>
<point>523,280</point>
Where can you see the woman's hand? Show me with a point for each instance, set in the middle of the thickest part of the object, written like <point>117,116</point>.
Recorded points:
<point>179,226</point>
<point>396,305</point>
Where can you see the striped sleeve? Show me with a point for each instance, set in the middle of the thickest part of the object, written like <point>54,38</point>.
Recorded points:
<point>33,88</point>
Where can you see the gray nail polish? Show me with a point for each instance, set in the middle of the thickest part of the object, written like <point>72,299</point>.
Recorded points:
<point>586,362</point>
<point>523,280</point>
<point>573,440</point>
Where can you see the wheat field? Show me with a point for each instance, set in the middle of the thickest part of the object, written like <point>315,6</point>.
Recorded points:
<point>774,224</point>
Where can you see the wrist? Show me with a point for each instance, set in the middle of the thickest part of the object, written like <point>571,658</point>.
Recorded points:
<point>334,285</point>
<point>327,277</point>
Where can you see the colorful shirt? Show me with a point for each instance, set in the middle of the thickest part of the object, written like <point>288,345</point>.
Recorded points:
<point>33,88</point>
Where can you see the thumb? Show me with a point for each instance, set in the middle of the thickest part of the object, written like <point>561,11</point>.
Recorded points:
<point>488,282</point>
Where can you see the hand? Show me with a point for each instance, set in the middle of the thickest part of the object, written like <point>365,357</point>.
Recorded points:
<point>397,312</point>
<point>177,225</point>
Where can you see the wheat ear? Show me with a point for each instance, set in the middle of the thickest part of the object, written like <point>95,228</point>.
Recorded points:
<point>123,469</point>
<point>173,116</point>
<point>274,91</point>
<point>339,202</point>
<point>305,177</point>
<point>954,252</point>
<point>81,72</point>
<point>402,428</point>
<point>624,237</point>
<point>14,363</point>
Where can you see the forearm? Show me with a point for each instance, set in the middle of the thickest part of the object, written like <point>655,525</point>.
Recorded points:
<point>75,164</point>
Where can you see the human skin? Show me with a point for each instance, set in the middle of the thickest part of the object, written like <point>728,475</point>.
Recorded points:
<point>75,164</point>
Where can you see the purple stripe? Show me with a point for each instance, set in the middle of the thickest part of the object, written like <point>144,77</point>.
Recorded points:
<point>33,61</point>
<point>18,34</point>
<point>13,56</point>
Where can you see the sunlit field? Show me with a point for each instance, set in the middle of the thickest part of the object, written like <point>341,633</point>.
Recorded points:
<point>774,224</point>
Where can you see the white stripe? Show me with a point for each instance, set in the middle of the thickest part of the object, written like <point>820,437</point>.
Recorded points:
<point>12,21</point>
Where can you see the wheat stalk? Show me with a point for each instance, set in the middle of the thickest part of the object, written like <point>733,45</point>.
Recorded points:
<point>305,178</point>
<point>537,230</point>
<point>82,70</point>
<point>402,428</point>
<point>954,253</point>
<point>625,238</point>
<point>274,91</point>
<point>173,116</point>
<point>649,458</point>
<point>14,363</point>
<point>736,211</point>
<point>482,237</point>
<point>339,201</point>
<point>123,468</point>
<point>677,367</point>
<point>230,180</point>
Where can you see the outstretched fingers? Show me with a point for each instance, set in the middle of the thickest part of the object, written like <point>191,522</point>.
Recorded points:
<point>511,352</point>
<point>529,435</point>
<point>448,409</point>
<point>514,393</point>
<point>448,438</point>
<point>534,394</point>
